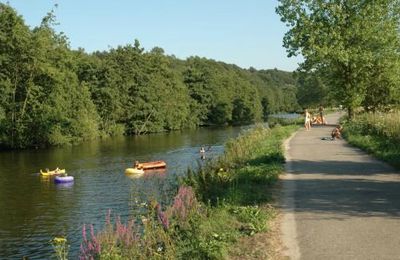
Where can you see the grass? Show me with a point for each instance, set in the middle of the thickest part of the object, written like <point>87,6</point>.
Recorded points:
<point>274,121</point>
<point>376,133</point>
<point>240,182</point>
<point>226,200</point>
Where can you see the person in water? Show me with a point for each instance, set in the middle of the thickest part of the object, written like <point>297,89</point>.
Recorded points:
<point>136,165</point>
<point>202,153</point>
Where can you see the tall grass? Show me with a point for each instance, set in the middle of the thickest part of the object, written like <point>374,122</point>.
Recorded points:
<point>378,133</point>
<point>278,121</point>
<point>212,209</point>
<point>255,157</point>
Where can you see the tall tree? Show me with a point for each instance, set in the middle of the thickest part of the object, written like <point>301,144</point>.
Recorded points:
<point>343,40</point>
<point>312,91</point>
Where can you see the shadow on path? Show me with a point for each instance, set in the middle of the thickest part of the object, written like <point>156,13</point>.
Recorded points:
<point>339,198</point>
<point>331,167</point>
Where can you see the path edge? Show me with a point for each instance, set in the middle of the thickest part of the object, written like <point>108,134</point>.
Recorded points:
<point>288,223</point>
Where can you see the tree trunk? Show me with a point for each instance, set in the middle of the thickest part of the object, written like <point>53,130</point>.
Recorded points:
<point>350,112</point>
<point>28,92</point>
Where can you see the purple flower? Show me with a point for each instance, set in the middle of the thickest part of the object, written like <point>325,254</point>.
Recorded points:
<point>89,248</point>
<point>162,217</point>
<point>184,203</point>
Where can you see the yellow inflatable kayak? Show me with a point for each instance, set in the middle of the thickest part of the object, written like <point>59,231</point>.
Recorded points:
<point>54,172</point>
<point>133,171</point>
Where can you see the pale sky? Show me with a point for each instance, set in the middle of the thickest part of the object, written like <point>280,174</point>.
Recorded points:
<point>245,33</point>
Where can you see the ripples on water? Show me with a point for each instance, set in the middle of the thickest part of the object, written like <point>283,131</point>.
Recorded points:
<point>34,209</point>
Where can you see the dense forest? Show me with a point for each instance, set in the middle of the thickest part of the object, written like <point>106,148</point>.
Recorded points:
<point>53,95</point>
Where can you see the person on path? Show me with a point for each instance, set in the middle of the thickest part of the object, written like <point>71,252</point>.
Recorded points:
<point>321,115</point>
<point>307,120</point>
<point>321,111</point>
<point>336,133</point>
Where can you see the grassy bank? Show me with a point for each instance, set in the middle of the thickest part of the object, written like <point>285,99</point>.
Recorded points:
<point>224,201</point>
<point>378,134</point>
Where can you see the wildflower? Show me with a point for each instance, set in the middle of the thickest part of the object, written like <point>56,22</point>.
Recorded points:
<point>185,202</point>
<point>144,220</point>
<point>60,247</point>
<point>59,240</point>
<point>162,217</point>
<point>90,248</point>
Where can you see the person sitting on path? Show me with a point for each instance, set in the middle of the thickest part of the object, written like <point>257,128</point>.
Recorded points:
<point>336,133</point>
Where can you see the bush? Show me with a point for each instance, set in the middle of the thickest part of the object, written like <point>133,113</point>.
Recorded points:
<point>376,133</point>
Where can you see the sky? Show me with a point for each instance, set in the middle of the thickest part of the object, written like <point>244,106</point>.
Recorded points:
<point>245,33</point>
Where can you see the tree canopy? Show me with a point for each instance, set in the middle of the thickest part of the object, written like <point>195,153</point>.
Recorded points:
<point>53,95</point>
<point>353,45</point>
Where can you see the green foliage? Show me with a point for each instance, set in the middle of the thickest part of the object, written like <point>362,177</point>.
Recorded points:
<point>42,101</point>
<point>60,247</point>
<point>254,219</point>
<point>249,163</point>
<point>357,57</point>
<point>312,92</point>
<point>377,133</point>
<point>274,121</point>
<point>52,95</point>
<point>239,181</point>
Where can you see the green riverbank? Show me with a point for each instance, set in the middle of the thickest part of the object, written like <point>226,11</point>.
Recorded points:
<point>227,200</point>
<point>377,133</point>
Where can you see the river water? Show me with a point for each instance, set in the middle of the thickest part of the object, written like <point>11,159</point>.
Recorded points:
<point>33,209</point>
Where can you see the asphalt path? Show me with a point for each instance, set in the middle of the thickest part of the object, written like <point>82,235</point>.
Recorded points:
<point>338,202</point>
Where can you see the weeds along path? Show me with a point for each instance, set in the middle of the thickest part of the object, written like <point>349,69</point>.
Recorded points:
<point>338,202</point>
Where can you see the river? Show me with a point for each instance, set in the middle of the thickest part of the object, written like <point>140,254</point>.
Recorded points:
<point>34,210</point>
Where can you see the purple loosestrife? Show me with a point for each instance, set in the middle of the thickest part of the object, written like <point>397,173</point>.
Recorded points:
<point>162,217</point>
<point>184,204</point>
<point>89,249</point>
<point>125,235</point>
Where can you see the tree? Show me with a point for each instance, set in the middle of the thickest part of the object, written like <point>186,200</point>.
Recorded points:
<point>52,95</point>
<point>344,41</point>
<point>242,112</point>
<point>16,73</point>
<point>312,91</point>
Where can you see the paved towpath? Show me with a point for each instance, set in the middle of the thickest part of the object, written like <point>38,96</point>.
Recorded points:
<point>338,202</point>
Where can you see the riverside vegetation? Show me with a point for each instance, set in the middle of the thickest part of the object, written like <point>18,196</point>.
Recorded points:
<point>225,200</point>
<point>53,95</point>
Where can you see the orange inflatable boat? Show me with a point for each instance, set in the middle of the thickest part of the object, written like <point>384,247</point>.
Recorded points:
<point>151,165</point>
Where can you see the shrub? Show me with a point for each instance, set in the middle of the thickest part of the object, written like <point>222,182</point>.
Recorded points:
<point>377,133</point>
